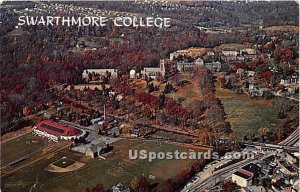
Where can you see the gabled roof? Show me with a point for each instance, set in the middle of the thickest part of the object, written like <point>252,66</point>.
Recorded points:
<point>57,129</point>
<point>243,174</point>
<point>97,147</point>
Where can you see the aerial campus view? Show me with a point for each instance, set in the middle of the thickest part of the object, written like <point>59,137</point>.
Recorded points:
<point>149,96</point>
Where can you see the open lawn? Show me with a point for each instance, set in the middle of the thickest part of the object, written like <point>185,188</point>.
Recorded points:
<point>247,115</point>
<point>282,28</point>
<point>16,149</point>
<point>189,93</point>
<point>117,167</point>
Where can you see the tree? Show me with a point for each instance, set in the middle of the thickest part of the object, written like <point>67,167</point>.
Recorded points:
<point>177,182</point>
<point>115,104</point>
<point>283,54</point>
<point>239,65</point>
<point>147,99</point>
<point>266,75</point>
<point>166,186</point>
<point>281,107</point>
<point>150,87</point>
<point>97,188</point>
<point>266,182</point>
<point>263,132</point>
<point>229,186</point>
<point>280,112</point>
<point>26,111</point>
<point>161,100</point>
<point>222,81</point>
<point>143,184</point>
<point>205,135</point>
<point>168,88</point>
<point>162,117</point>
<point>280,135</point>
<point>134,184</point>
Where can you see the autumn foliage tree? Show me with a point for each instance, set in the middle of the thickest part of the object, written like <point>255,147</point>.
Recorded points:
<point>176,182</point>
<point>26,111</point>
<point>134,184</point>
<point>143,184</point>
<point>229,186</point>
<point>147,99</point>
<point>97,188</point>
<point>284,54</point>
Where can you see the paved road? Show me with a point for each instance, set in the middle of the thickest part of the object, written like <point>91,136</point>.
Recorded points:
<point>203,181</point>
<point>208,179</point>
<point>292,139</point>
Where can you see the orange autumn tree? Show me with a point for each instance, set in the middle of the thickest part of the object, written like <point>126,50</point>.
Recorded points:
<point>205,135</point>
<point>26,111</point>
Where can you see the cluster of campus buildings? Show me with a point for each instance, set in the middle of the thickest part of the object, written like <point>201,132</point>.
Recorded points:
<point>215,60</point>
<point>168,66</point>
<point>277,173</point>
<point>57,131</point>
<point>82,141</point>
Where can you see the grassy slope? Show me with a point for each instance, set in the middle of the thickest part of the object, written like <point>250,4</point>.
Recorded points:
<point>246,115</point>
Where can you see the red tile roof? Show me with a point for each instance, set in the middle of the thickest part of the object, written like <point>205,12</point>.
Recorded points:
<point>57,129</point>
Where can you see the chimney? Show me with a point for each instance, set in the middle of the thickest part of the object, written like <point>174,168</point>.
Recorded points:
<point>104,113</point>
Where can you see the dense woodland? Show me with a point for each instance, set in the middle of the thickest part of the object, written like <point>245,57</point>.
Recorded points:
<point>35,58</point>
<point>212,13</point>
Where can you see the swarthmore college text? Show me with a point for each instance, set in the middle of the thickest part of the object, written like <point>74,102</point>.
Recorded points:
<point>95,21</point>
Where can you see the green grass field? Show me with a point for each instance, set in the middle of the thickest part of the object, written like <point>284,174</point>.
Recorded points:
<point>246,115</point>
<point>116,168</point>
<point>64,162</point>
<point>20,147</point>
